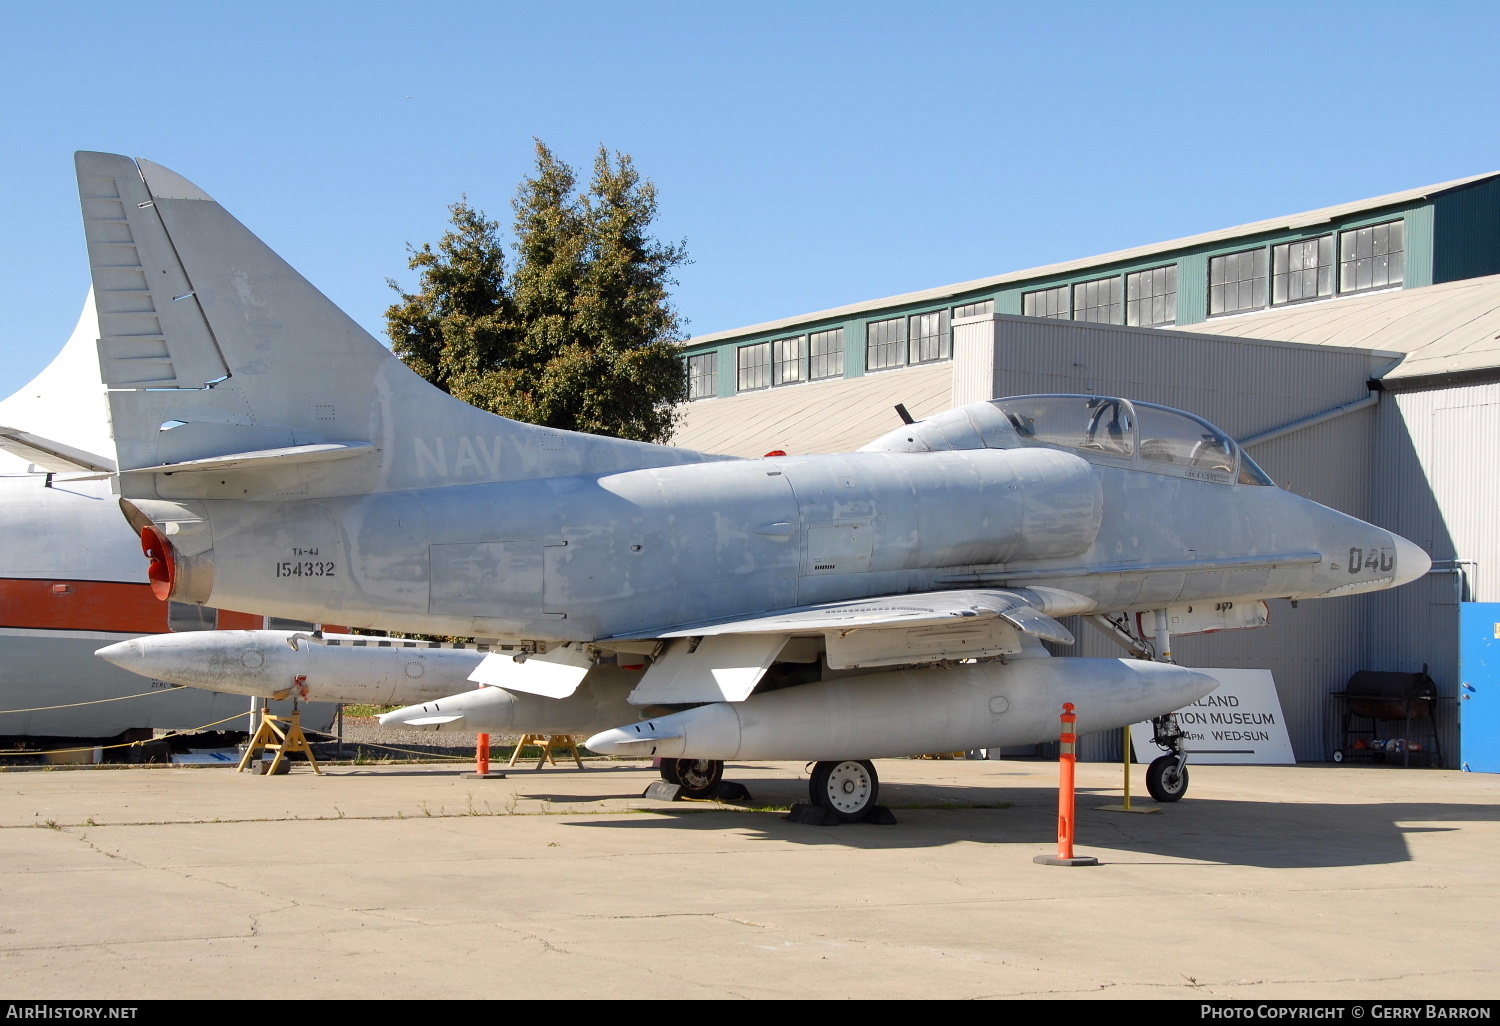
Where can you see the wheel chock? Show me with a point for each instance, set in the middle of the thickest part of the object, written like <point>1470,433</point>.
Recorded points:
<point>732,791</point>
<point>809,814</point>
<point>662,791</point>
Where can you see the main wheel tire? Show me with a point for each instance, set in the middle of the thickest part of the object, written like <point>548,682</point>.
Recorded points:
<point>847,788</point>
<point>1338,755</point>
<point>1165,781</point>
<point>668,770</point>
<point>698,778</point>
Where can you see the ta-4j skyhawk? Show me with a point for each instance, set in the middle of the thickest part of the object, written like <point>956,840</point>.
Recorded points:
<point>835,608</point>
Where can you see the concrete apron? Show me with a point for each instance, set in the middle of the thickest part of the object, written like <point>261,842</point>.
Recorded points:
<point>1306,882</point>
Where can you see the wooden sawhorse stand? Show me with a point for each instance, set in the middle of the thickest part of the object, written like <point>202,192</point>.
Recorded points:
<point>271,737</point>
<point>556,743</point>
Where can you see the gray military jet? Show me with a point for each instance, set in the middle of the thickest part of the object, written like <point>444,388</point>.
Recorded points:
<point>834,608</point>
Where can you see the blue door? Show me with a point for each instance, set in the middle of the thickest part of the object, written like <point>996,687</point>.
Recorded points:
<point>1479,686</point>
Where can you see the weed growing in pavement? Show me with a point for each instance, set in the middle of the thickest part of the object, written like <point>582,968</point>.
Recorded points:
<point>369,710</point>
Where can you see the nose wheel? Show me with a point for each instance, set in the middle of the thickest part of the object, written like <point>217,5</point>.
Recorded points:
<point>697,778</point>
<point>1167,778</point>
<point>847,788</point>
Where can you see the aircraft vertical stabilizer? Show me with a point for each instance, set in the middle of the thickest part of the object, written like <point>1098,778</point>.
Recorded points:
<point>214,347</point>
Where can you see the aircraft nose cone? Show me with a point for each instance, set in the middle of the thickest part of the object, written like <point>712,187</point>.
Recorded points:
<point>127,655</point>
<point>611,742</point>
<point>1411,561</point>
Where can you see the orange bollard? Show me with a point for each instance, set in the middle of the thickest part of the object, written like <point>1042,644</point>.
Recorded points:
<point>1067,759</point>
<point>482,761</point>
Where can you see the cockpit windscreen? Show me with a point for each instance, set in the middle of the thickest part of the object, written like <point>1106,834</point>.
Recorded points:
<point>1151,436</point>
<point>1089,422</point>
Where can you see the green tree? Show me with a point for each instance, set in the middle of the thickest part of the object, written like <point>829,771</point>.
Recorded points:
<point>583,335</point>
<point>460,323</point>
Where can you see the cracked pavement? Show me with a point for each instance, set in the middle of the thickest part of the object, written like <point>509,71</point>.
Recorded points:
<point>414,882</point>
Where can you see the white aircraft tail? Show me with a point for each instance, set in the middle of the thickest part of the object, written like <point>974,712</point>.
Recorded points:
<point>231,376</point>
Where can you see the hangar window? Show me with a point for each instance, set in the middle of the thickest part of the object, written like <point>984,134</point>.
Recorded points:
<point>1373,257</point>
<point>703,376</point>
<point>928,335</point>
<point>787,368</point>
<point>979,309</point>
<point>1098,301</point>
<point>1237,281</point>
<point>827,354</point>
<point>755,367</point>
<point>1151,297</point>
<point>1302,270</point>
<point>1046,303</point>
<point>884,344</point>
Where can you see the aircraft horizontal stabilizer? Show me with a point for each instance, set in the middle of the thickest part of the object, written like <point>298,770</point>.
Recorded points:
<point>261,459</point>
<point>51,455</point>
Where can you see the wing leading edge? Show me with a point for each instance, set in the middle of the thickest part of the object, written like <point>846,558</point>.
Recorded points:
<point>724,660</point>
<point>925,609</point>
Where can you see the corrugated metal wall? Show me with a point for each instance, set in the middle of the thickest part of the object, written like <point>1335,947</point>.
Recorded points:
<point>973,360</point>
<point>1437,482</point>
<point>1242,385</point>
<point>1467,230</point>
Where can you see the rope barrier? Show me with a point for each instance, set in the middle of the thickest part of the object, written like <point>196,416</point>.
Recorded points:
<point>96,701</point>
<point>389,748</point>
<point>191,730</point>
<point>128,744</point>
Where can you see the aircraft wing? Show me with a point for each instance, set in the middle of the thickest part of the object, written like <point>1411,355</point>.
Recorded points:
<point>923,609</point>
<point>724,660</point>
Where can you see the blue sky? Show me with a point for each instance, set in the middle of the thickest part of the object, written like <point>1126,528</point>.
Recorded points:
<point>811,154</point>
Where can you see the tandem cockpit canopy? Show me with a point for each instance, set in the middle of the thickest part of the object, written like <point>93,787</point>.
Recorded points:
<point>1151,437</point>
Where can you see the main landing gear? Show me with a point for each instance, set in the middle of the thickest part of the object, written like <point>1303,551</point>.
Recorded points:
<point>847,789</point>
<point>1167,776</point>
<point>697,778</point>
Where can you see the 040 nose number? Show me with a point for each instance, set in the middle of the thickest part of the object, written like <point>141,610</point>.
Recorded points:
<point>1382,560</point>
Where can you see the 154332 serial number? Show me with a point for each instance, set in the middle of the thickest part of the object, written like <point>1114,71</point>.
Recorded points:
<point>304,568</point>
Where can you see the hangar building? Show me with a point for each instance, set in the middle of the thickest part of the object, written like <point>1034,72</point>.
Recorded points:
<point>1355,350</point>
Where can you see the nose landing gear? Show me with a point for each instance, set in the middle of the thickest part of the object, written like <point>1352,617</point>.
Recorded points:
<point>1167,776</point>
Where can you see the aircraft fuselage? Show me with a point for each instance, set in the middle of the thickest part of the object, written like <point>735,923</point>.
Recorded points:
<point>584,557</point>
